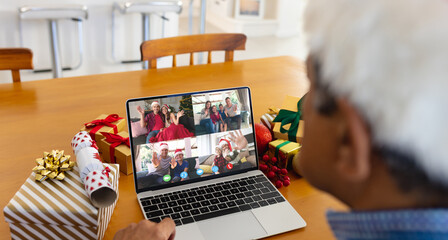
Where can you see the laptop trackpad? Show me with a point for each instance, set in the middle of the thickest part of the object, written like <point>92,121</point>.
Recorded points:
<point>241,225</point>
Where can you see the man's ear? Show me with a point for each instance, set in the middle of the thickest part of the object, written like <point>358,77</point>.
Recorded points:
<point>353,160</point>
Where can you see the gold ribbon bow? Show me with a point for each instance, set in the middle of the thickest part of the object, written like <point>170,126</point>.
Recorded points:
<point>52,165</point>
<point>273,111</point>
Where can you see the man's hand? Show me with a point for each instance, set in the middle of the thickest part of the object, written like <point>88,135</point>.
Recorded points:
<point>148,230</point>
<point>155,159</point>
<point>140,110</point>
<point>239,140</point>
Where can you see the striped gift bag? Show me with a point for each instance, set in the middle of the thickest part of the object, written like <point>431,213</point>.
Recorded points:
<point>267,118</point>
<point>58,209</point>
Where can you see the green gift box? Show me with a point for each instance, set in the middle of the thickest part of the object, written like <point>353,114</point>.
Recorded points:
<point>288,124</point>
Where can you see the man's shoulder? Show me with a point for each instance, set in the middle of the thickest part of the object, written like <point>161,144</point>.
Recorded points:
<point>394,224</point>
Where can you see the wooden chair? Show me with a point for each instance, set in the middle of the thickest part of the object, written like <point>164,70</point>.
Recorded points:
<point>153,49</point>
<point>15,59</point>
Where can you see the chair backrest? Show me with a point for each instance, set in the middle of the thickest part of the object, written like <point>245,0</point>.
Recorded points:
<point>15,59</point>
<point>228,42</point>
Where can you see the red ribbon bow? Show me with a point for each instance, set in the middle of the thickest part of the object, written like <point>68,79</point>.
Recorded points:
<point>114,140</point>
<point>97,124</point>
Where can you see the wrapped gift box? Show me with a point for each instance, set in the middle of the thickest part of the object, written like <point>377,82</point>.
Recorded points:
<point>290,103</point>
<point>121,124</point>
<point>284,151</point>
<point>122,154</point>
<point>56,209</point>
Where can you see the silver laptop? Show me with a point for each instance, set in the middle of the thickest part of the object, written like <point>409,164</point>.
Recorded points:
<point>194,160</point>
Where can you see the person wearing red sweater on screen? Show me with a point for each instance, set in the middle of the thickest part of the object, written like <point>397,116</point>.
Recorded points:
<point>219,160</point>
<point>216,119</point>
<point>173,130</point>
<point>153,121</point>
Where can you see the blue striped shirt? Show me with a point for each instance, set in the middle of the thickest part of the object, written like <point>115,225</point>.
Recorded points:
<point>398,224</point>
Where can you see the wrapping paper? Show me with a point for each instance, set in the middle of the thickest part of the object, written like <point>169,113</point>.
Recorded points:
<point>114,148</point>
<point>289,104</point>
<point>104,123</point>
<point>92,173</point>
<point>58,209</point>
<point>82,140</point>
<point>284,151</point>
<point>267,118</point>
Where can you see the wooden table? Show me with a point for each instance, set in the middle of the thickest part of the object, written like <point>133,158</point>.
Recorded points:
<point>44,115</point>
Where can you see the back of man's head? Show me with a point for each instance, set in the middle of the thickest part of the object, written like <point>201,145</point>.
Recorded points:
<point>389,58</point>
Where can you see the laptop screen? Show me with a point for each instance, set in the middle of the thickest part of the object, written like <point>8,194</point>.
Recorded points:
<point>184,138</point>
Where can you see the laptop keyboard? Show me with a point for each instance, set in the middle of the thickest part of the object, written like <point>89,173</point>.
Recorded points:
<point>201,203</point>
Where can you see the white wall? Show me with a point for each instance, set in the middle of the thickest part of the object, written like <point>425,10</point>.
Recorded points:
<point>97,38</point>
<point>282,18</point>
<point>289,17</point>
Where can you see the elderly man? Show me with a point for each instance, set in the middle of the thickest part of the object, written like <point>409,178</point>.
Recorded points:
<point>375,133</point>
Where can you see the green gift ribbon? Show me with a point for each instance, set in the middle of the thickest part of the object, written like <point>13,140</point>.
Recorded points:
<point>286,117</point>
<point>277,149</point>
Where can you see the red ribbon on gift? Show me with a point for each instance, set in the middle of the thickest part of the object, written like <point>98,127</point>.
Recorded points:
<point>97,124</point>
<point>114,140</point>
<point>106,171</point>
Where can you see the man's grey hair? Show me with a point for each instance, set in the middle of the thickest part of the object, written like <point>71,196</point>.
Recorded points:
<point>389,58</point>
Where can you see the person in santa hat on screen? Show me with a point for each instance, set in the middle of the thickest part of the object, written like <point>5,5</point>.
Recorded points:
<point>178,166</point>
<point>159,167</point>
<point>219,160</point>
<point>234,154</point>
<point>153,121</point>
